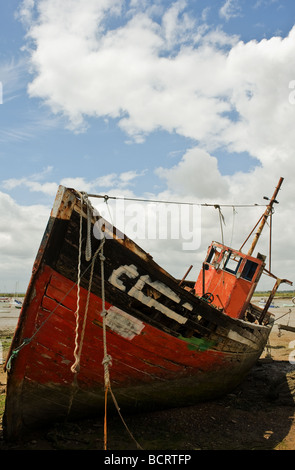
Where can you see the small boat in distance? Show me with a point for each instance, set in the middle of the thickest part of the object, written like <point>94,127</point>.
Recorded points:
<point>16,303</point>
<point>10,302</point>
<point>5,302</point>
<point>100,315</point>
<point>262,303</point>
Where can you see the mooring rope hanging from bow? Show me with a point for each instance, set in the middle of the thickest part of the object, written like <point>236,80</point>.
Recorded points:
<point>107,360</point>
<point>74,367</point>
<point>77,354</point>
<point>88,253</point>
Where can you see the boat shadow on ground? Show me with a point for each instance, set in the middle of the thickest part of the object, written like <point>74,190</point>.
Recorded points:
<point>258,415</point>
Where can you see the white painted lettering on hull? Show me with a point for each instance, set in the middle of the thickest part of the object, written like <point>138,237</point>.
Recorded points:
<point>136,291</point>
<point>115,280</point>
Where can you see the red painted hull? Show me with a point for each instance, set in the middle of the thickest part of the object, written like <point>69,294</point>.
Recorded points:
<point>157,359</point>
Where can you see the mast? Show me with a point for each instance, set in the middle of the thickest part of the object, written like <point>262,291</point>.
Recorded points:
<point>266,214</point>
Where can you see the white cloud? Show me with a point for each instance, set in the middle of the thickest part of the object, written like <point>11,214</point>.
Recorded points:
<point>119,181</point>
<point>187,177</point>
<point>177,28</point>
<point>174,75</point>
<point>36,183</point>
<point>33,183</point>
<point>230,9</point>
<point>25,11</point>
<point>11,76</point>
<point>25,125</point>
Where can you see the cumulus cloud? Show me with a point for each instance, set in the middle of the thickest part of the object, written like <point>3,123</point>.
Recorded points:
<point>187,177</point>
<point>230,9</point>
<point>173,74</point>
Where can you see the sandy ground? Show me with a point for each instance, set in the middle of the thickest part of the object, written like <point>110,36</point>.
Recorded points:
<point>258,415</point>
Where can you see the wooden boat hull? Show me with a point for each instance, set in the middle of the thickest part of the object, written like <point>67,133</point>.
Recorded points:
<point>167,346</point>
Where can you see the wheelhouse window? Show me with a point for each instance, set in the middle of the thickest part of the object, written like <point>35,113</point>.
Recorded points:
<point>231,262</point>
<point>249,270</point>
<point>213,255</point>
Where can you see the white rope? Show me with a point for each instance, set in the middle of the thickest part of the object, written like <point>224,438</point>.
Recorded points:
<point>78,345</point>
<point>75,366</point>
<point>106,358</point>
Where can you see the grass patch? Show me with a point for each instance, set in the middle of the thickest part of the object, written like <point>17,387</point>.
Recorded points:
<point>5,342</point>
<point>279,295</point>
<point>2,405</point>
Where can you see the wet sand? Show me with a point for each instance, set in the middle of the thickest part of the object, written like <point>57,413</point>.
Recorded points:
<point>259,414</point>
<point>8,318</point>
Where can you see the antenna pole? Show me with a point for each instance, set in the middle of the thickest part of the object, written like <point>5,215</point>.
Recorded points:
<point>265,216</point>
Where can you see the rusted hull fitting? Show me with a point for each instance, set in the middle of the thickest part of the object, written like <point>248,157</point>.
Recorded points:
<point>166,346</point>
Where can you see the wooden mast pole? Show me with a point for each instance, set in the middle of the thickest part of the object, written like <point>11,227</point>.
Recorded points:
<point>265,216</point>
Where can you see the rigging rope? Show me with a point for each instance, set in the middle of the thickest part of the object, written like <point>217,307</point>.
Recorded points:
<point>233,225</point>
<point>221,220</point>
<point>205,204</point>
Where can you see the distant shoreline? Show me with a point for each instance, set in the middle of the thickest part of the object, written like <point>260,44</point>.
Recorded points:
<point>288,294</point>
<point>279,295</point>
<point>9,294</point>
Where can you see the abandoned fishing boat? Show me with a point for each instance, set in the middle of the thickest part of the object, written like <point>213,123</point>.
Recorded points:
<point>99,314</point>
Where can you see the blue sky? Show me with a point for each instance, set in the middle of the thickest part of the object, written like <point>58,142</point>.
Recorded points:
<point>186,100</point>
